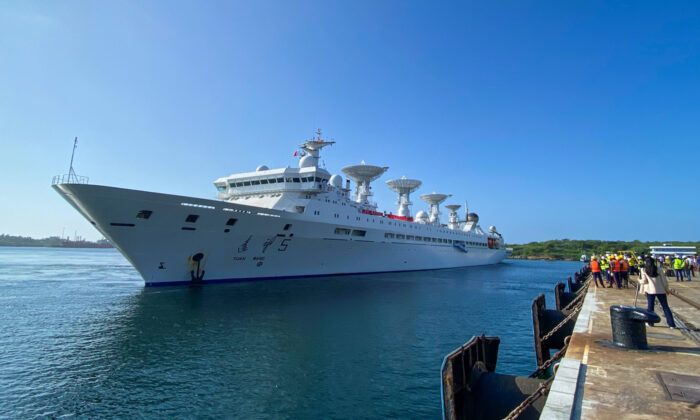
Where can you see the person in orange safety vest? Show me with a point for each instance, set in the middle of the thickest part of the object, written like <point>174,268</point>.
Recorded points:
<point>595,270</point>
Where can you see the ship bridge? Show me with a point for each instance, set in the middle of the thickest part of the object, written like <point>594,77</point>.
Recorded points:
<point>267,181</point>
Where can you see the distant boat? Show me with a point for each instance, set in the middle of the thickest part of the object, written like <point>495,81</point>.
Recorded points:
<point>584,258</point>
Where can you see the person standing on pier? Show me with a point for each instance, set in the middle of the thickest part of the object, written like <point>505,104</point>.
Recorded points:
<point>615,267</point>
<point>653,282</point>
<point>678,267</point>
<point>687,266</point>
<point>595,270</point>
<point>624,271</point>
<point>605,266</point>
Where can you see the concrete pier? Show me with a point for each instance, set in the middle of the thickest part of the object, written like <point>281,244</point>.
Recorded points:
<point>598,380</point>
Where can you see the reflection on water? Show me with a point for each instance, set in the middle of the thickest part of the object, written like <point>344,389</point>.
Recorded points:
<point>80,335</point>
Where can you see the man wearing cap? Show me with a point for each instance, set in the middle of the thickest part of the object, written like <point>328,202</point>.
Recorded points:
<point>595,269</point>
<point>678,268</point>
<point>615,268</point>
<point>624,271</point>
<point>687,265</point>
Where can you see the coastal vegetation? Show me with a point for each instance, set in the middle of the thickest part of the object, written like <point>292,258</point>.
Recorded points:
<point>570,249</point>
<point>52,241</point>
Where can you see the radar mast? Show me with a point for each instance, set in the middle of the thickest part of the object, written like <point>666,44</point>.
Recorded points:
<point>313,148</point>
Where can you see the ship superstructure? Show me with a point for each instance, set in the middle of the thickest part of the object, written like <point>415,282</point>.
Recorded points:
<point>287,222</point>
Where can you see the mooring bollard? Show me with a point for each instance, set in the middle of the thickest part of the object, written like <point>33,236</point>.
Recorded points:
<point>628,327</point>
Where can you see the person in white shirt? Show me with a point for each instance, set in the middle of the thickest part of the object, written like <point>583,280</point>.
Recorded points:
<point>653,282</point>
<point>687,266</point>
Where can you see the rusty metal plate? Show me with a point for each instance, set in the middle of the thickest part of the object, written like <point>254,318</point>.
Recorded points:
<point>678,387</point>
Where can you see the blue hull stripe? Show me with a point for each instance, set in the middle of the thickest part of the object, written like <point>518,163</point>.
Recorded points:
<point>188,282</point>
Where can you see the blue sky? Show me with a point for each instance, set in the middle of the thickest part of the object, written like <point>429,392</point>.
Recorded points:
<point>554,119</point>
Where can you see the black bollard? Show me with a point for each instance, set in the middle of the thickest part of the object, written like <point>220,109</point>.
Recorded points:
<point>628,326</point>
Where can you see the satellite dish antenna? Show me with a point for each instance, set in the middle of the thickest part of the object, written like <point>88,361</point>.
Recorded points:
<point>453,224</point>
<point>363,174</point>
<point>404,187</point>
<point>434,200</point>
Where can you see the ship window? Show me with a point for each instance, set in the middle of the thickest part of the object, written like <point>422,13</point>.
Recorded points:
<point>192,218</point>
<point>287,226</point>
<point>410,237</point>
<point>400,236</point>
<point>359,232</point>
<point>188,228</point>
<point>144,214</point>
<point>342,231</point>
<point>263,181</point>
<point>426,239</point>
<point>295,179</point>
<point>122,224</point>
<point>255,182</point>
<point>436,240</point>
<point>318,179</point>
<point>222,187</point>
<point>246,183</point>
<point>227,230</point>
<point>239,184</point>
<point>389,235</point>
<point>231,222</point>
<point>272,180</point>
<point>280,179</point>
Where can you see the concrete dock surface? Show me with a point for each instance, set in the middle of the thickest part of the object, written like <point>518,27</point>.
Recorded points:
<point>598,380</point>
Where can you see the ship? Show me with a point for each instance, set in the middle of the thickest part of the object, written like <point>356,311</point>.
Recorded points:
<point>282,223</point>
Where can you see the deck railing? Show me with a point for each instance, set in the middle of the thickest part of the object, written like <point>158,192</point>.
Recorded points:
<point>69,179</point>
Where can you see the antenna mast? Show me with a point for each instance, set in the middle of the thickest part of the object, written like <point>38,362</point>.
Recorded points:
<point>71,172</point>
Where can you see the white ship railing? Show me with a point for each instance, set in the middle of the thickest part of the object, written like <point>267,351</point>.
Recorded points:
<point>69,179</point>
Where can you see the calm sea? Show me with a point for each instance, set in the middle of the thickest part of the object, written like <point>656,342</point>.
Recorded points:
<point>81,336</point>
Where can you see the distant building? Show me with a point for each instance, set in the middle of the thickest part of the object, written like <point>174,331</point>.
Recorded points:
<point>670,250</point>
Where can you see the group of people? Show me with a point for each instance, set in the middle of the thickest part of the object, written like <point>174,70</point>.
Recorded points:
<point>681,266</point>
<point>615,268</point>
<point>652,278</point>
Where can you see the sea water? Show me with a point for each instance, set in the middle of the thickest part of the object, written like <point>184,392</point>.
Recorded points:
<point>80,335</point>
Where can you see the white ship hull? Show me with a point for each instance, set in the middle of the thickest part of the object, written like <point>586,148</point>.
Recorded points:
<point>257,246</point>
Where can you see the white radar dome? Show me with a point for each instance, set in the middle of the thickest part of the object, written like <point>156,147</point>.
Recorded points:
<point>307,161</point>
<point>422,215</point>
<point>262,168</point>
<point>492,228</point>
<point>337,181</point>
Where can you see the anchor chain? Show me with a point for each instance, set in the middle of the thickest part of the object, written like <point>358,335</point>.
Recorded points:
<point>558,355</point>
<point>542,390</point>
<point>578,297</point>
<point>574,312</point>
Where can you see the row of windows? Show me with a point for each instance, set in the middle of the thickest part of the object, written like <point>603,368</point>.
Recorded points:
<point>354,232</point>
<point>389,235</point>
<point>191,218</point>
<point>273,181</point>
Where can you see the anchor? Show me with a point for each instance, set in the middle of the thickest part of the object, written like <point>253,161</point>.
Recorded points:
<point>200,276</point>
